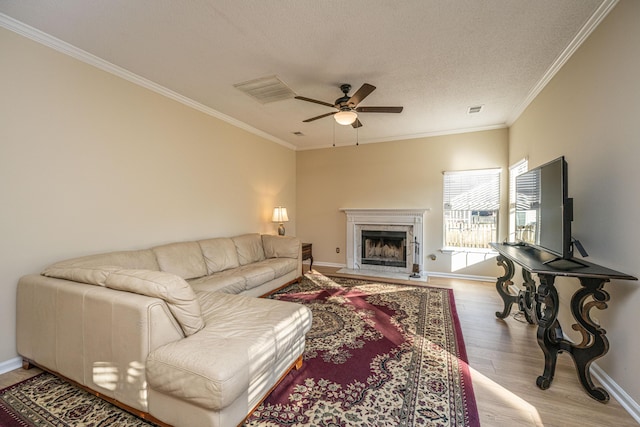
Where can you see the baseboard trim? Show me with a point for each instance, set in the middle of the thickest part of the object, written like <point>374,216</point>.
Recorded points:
<point>616,392</point>
<point>329,264</point>
<point>10,365</point>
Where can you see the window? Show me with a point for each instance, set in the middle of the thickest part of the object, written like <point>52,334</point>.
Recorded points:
<point>471,206</point>
<point>517,169</point>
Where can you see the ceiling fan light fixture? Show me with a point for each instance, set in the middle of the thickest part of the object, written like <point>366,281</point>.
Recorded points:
<point>345,117</point>
<point>349,106</point>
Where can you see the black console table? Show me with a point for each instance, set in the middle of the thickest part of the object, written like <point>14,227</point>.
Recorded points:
<point>540,306</point>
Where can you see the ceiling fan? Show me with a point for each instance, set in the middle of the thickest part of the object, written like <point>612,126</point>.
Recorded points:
<point>348,106</point>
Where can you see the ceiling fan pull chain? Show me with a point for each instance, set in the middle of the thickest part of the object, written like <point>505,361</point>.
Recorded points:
<point>334,133</point>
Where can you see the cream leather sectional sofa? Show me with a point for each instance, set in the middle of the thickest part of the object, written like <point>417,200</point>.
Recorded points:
<point>174,333</point>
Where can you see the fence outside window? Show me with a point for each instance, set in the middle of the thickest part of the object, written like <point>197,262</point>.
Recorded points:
<point>471,207</point>
<point>463,229</point>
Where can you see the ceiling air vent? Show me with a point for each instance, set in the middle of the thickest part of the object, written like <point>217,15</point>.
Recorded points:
<point>266,89</point>
<point>475,109</point>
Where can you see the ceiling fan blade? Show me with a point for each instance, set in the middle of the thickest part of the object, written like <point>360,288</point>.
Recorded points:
<point>356,124</point>
<point>361,94</point>
<point>315,101</point>
<point>379,109</point>
<point>319,117</point>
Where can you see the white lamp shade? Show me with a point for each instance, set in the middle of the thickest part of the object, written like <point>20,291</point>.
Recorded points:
<point>345,117</point>
<point>280,214</point>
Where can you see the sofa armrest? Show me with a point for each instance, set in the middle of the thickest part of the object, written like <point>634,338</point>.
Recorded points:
<point>281,246</point>
<point>173,289</point>
<point>96,336</point>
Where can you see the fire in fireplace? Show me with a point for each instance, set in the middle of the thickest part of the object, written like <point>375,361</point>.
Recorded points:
<point>387,248</point>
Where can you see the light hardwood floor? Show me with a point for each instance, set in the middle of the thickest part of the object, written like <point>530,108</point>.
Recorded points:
<point>505,361</point>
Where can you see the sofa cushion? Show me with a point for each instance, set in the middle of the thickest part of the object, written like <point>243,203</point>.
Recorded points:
<point>243,341</point>
<point>183,259</point>
<point>219,254</point>
<point>249,248</point>
<point>177,293</point>
<point>141,260</point>
<point>229,282</point>
<point>255,274</point>
<point>280,246</point>
<point>91,275</point>
<point>280,266</point>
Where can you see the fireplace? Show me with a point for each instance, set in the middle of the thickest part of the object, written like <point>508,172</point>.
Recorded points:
<point>382,247</point>
<point>387,240</point>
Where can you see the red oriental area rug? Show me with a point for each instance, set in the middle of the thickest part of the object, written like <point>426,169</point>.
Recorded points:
<point>378,354</point>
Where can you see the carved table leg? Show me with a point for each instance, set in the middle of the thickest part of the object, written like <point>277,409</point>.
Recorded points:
<point>594,342</point>
<point>526,297</point>
<point>502,286</point>
<point>546,313</point>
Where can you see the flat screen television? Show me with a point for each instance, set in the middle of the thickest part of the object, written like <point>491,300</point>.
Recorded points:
<point>543,210</point>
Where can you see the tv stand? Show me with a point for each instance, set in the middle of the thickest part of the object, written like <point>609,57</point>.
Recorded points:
<point>540,306</point>
<point>565,264</point>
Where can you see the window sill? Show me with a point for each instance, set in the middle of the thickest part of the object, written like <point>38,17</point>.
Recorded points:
<point>456,250</point>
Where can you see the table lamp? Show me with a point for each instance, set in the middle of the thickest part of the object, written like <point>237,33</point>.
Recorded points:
<point>280,216</point>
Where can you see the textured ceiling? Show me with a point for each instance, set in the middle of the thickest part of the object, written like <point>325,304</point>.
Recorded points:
<point>436,58</point>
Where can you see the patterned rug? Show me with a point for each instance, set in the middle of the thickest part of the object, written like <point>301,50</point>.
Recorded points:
<point>45,400</point>
<point>377,354</point>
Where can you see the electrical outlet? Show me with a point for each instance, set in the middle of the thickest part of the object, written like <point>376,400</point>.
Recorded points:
<point>337,250</point>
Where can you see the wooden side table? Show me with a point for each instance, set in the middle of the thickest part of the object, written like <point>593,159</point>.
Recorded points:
<point>307,253</point>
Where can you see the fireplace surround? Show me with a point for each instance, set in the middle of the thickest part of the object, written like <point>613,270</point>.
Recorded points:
<point>390,239</point>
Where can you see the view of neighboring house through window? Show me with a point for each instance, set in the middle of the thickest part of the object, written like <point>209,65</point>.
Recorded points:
<point>517,169</point>
<point>471,206</point>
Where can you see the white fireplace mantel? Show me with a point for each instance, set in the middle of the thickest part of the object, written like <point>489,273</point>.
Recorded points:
<point>413,218</point>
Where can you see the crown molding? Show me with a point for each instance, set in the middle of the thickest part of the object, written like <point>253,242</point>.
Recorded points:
<point>68,49</point>
<point>605,7</point>
<point>45,39</point>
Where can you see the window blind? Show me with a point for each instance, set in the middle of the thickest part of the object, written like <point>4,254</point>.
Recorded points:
<point>529,187</point>
<point>518,169</point>
<point>475,190</point>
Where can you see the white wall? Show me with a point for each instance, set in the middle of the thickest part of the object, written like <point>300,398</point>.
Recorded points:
<point>590,113</point>
<point>400,174</point>
<point>92,163</point>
